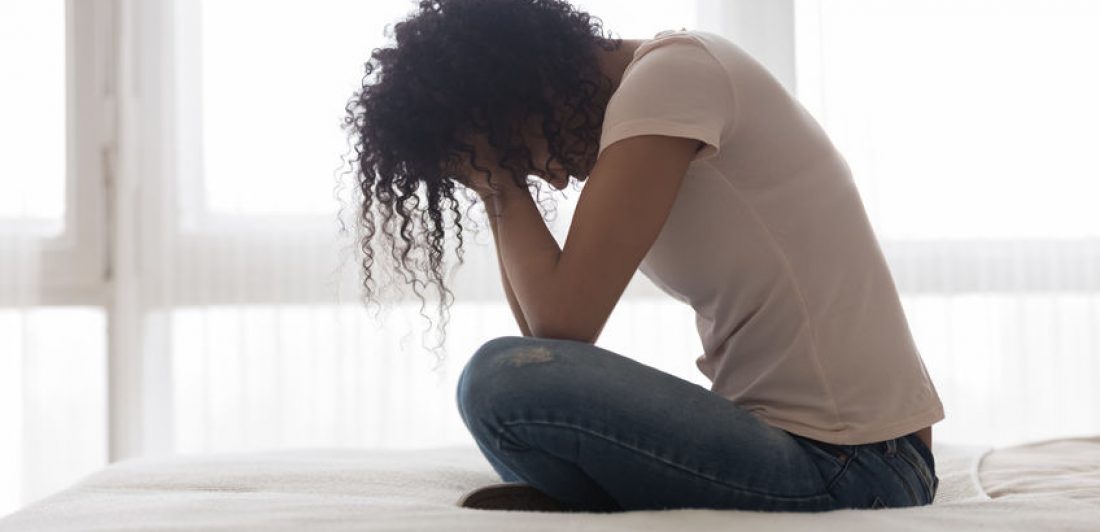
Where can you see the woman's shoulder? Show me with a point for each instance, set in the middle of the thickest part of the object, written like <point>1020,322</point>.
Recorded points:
<point>673,47</point>
<point>669,37</point>
<point>715,44</point>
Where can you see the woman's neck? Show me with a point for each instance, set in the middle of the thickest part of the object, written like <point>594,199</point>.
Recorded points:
<point>612,65</point>
<point>614,62</point>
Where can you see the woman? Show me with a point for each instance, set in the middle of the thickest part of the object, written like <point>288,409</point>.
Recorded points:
<point>705,174</point>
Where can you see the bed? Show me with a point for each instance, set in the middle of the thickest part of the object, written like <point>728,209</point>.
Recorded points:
<point>1045,485</point>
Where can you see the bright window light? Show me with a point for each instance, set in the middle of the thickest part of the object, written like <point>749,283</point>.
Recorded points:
<point>275,79</point>
<point>32,104</point>
<point>962,119</point>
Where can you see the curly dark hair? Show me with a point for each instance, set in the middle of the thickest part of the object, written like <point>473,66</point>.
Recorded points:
<point>461,67</point>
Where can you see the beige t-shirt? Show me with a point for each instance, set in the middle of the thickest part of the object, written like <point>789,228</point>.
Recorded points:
<point>769,242</point>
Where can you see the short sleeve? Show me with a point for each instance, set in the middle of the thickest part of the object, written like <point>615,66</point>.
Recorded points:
<point>673,87</point>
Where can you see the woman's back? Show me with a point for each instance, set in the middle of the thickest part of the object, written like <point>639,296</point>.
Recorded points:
<point>769,242</point>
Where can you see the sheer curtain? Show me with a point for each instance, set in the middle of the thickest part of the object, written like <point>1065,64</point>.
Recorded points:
<point>52,317</point>
<point>185,287</point>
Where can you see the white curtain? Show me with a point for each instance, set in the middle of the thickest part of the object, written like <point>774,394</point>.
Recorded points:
<point>216,307</point>
<point>52,337</point>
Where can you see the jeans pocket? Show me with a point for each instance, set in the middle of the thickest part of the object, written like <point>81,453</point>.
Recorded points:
<point>832,459</point>
<point>841,454</point>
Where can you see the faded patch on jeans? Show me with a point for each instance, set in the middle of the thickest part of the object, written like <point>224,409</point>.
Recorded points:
<point>530,355</point>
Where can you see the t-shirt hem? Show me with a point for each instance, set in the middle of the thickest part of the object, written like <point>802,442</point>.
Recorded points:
<point>860,437</point>
<point>651,126</point>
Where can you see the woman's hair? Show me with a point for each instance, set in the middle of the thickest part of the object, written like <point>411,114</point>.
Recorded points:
<point>461,67</point>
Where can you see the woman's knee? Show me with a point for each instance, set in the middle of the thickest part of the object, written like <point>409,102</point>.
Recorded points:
<point>486,359</point>
<point>505,370</point>
<point>482,374</point>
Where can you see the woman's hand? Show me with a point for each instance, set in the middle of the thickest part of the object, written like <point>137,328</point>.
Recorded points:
<point>476,180</point>
<point>502,185</point>
<point>480,185</point>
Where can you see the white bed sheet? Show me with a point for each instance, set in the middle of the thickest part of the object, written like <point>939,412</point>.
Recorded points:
<point>354,489</point>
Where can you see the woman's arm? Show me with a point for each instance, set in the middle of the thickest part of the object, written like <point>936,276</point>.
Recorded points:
<point>508,293</point>
<point>569,292</point>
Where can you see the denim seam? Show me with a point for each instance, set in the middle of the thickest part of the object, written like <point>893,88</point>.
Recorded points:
<point>925,482</point>
<point>929,461</point>
<point>901,476</point>
<point>926,465</point>
<point>852,454</point>
<point>662,460</point>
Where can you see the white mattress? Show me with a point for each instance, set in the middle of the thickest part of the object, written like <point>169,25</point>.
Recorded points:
<point>1041,486</point>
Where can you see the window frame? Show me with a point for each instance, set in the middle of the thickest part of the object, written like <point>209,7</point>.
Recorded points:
<point>73,267</point>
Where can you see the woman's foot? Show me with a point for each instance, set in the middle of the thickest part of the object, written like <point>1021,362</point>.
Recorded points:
<point>513,496</point>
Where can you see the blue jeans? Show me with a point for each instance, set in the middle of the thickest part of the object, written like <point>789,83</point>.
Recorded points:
<point>602,432</point>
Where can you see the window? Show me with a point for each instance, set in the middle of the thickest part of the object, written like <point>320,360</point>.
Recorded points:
<point>53,354</point>
<point>34,107</point>
<point>965,120</point>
